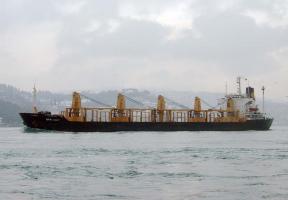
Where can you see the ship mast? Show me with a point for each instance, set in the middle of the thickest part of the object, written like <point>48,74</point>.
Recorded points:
<point>34,108</point>
<point>239,85</point>
<point>263,92</point>
<point>239,91</point>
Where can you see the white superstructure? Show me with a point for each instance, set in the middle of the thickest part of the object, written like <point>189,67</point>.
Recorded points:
<point>245,104</point>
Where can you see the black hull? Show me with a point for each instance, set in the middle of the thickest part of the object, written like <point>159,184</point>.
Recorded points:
<point>59,123</point>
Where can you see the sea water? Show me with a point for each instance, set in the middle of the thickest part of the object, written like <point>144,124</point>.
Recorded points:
<point>144,165</point>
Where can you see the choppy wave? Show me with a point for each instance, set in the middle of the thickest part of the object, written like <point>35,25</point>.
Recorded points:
<point>179,165</point>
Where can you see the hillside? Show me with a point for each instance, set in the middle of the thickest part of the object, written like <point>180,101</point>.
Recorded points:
<point>13,101</point>
<point>9,113</point>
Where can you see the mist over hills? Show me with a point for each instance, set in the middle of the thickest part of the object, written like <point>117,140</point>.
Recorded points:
<point>13,101</point>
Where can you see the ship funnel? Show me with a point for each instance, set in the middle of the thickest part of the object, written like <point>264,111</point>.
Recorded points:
<point>250,92</point>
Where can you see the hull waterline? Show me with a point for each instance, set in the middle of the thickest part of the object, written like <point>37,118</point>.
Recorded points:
<point>59,123</point>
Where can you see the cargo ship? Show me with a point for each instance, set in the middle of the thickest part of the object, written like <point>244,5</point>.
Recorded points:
<point>235,112</point>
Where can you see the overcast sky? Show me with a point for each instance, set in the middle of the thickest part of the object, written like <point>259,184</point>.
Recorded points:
<point>193,45</point>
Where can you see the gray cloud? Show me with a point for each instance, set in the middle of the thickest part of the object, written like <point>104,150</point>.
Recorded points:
<point>149,44</point>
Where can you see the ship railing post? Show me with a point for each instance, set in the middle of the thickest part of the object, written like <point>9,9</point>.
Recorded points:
<point>85,114</point>
<point>96,115</point>
<point>92,115</point>
<point>110,115</point>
